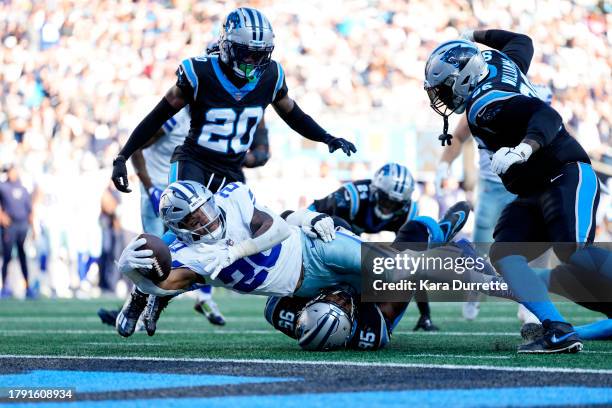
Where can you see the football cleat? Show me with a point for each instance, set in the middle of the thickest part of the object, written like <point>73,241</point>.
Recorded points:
<point>532,331</point>
<point>155,305</point>
<point>211,311</point>
<point>6,293</point>
<point>424,323</point>
<point>108,316</point>
<point>557,337</point>
<point>454,219</point>
<point>130,313</point>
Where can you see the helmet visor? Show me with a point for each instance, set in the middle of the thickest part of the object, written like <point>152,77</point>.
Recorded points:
<point>441,97</point>
<point>206,223</point>
<point>388,205</point>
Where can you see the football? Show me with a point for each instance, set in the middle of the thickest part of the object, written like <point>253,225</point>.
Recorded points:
<point>162,259</point>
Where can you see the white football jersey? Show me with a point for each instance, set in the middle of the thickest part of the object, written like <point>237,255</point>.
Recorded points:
<point>274,272</point>
<point>157,156</point>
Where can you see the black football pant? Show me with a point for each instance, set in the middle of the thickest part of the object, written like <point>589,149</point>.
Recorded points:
<point>191,170</point>
<point>14,235</point>
<point>562,217</point>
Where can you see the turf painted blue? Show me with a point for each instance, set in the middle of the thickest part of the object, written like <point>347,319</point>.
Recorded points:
<point>457,398</point>
<point>100,381</point>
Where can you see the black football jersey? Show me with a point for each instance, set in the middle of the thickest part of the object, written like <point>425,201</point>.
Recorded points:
<point>354,203</point>
<point>499,111</point>
<point>223,116</point>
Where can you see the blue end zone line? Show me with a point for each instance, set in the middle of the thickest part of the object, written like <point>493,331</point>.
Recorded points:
<point>457,398</point>
<point>319,362</point>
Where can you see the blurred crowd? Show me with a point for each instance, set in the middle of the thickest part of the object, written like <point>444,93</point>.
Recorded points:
<point>77,76</point>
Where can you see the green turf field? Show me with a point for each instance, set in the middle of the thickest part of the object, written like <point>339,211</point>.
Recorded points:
<point>71,328</point>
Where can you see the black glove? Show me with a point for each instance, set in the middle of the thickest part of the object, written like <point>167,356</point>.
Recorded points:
<point>336,143</point>
<point>119,176</point>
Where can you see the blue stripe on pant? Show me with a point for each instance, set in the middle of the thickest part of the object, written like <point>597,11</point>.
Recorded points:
<point>330,263</point>
<point>586,194</point>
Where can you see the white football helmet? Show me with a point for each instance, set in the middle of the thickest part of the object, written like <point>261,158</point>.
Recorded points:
<point>391,188</point>
<point>246,42</point>
<point>188,209</point>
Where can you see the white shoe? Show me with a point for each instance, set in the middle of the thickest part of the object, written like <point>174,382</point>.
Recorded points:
<point>525,316</point>
<point>471,310</point>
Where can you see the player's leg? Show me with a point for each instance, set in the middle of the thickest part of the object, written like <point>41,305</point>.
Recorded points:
<point>522,222</point>
<point>492,199</point>
<point>206,306</point>
<point>21,234</point>
<point>8,241</point>
<point>128,316</point>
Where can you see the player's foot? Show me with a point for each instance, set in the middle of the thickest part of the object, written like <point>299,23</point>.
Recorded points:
<point>425,324</point>
<point>130,313</point>
<point>211,311</point>
<point>155,306</point>
<point>557,337</point>
<point>108,316</point>
<point>532,331</point>
<point>454,219</point>
<point>6,293</point>
<point>471,310</point>
<point>30,293</point>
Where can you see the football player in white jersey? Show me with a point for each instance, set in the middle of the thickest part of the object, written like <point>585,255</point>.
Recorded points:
<point>228,239</point>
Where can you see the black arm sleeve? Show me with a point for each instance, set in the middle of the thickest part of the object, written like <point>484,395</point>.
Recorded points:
<point>260,149</point>
<point>147,128</point>
<point>304,125</point>
<point>337,203</point>
<point>544,125</point>
<point>518,47</point>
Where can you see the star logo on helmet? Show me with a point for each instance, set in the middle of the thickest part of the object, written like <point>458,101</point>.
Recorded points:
<point>229,242</point>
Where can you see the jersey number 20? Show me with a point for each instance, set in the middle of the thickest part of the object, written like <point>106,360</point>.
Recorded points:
<point>227,132</point>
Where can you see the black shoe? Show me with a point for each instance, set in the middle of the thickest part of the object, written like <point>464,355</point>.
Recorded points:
<point>454,219</point>
<point>557,337</point>
<point>130,313</point>
<point>155,306</point>
<point>108,316</point>
<point>425,324</point>
<point>532,331</point>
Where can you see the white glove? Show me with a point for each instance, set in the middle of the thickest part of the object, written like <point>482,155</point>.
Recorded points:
<point>441,174</point>
<point>215,258</point>
<point>131,258</point>
<point>467,35</point>
<point>319,226</point>
<point>507,156</point>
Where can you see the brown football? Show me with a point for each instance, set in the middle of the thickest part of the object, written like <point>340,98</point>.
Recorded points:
<point>162,263</point>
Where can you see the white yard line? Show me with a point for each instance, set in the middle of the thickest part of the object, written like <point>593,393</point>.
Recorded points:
<point>321,362</point>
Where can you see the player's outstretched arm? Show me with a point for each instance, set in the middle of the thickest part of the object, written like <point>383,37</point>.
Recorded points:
<point>170,104</point>
<point>302,123</point>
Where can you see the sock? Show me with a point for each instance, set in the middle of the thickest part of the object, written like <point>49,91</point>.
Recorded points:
<point>528,288</point>
<point>601,330</point>
<point>204,294</point>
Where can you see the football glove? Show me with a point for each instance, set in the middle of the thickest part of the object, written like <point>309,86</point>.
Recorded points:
<point>120,176</point>
<point>132,258</point>
<point>215,258</point>
<point>319,226</point>
<point>336,143</point>
<point>154,197</point>
<point>507,156</point>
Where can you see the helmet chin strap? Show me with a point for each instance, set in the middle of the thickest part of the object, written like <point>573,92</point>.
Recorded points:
<point>445,137</point>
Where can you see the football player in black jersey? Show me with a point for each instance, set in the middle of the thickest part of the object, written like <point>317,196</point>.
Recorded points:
<point>536,158</point>
<point>384,203</point>
<point>227,95</point>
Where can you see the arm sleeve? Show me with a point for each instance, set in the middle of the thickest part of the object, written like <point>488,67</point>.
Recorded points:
<point>304,125</point>
<point>518,47</point>
<point>147,128</point>
<point>340,203</point>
